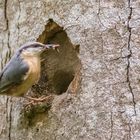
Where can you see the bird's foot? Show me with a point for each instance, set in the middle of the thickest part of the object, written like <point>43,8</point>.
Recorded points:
<point>34,101</point>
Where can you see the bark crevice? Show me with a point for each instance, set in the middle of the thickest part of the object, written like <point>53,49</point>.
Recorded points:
<point>9,115</point>
<point>8,55</point>
<point>111,126</point>
<point>128,58</point>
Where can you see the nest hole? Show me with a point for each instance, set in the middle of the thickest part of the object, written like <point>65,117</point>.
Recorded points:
<point>57,69</point>
<point>58,72</point>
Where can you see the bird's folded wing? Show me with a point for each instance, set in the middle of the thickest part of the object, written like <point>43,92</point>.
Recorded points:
<point>13,74</point>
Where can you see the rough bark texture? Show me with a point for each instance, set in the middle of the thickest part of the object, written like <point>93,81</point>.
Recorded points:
<point>106,104</point>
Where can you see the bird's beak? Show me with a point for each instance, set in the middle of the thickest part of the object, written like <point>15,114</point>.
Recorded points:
<point>52,46</point>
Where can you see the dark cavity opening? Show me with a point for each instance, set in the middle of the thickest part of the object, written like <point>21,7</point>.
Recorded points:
<point>58,69</point>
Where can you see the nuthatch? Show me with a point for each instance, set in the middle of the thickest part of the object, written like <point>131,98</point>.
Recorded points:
<point>23,70</point>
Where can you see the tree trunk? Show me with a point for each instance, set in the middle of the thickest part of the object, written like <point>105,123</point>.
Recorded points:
<point>95,79</point>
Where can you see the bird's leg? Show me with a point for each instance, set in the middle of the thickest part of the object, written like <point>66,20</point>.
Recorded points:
<point>34,101</point>
<point>40,99</point>
<point>26,105</point>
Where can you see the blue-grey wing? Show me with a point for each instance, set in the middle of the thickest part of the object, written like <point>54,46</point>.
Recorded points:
<point>13,73</point>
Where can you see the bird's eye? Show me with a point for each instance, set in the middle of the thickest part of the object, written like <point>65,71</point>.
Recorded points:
<point>37,46</point>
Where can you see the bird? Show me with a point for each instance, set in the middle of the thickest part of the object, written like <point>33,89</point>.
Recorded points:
<point>23,69</point>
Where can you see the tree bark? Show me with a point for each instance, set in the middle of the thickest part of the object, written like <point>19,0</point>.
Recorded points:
<point>102,102</point>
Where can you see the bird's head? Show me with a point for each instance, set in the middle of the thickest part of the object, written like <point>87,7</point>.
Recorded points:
<point>35,48</point>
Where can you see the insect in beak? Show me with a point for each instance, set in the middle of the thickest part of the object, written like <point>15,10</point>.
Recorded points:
<point>53,46</point>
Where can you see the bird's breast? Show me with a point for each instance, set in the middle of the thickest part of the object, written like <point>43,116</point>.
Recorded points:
<point>33,74</point>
